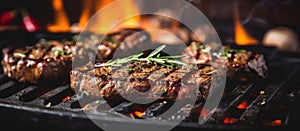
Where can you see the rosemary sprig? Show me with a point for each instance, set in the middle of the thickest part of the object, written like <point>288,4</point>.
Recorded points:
<point>153,58</point>
<point>211,72</point>
<point>227,51</point>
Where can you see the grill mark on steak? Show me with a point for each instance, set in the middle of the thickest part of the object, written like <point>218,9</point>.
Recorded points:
<point>37,64</point>
<point>123,42</point>
<point>241,65</point>
<point>161,82</point>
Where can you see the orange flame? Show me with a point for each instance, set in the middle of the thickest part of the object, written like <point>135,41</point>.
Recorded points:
<point>61,22</point>
<point>241,36</point>
<point>86,13</point>
<point>112,16</point>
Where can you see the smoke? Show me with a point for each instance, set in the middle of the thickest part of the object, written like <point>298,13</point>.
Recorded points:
<point>270,13</point>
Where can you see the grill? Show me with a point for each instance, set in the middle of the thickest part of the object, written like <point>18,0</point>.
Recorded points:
<point>269,103</point>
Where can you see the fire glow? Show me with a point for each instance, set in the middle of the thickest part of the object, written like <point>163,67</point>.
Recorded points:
<point>104,21</point>
<point>61,22</point>
<point>243,105</point>
<point>241,36</point>
<point>277,122</point>
<point>229,120</point>
<point>112,16</point>
<point>137,114</point>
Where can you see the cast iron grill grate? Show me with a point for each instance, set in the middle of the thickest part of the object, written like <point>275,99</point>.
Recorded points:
<point>243,105</point>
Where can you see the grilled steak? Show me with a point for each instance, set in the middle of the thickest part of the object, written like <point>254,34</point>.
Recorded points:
<point>44,62</point>
<point>133,80</point>
<point>128,40</point>
<point>51,61</point>
<point>241,65</point>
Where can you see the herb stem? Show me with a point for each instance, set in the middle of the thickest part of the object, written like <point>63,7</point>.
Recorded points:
<point>153,57</point>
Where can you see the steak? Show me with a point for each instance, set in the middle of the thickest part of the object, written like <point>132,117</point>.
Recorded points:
<point>241,65</point>
<point>51,61</point>
<point>132,80</point>
<point>45,62</point>
<point>124,42</point>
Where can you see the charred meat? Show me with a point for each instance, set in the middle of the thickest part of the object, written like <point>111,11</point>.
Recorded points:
<point>47,61</point>
<point>143,78</point>
<point>51,61</point>
<point>98,47</point>
<point>241,65</point>
<point>132,81</point>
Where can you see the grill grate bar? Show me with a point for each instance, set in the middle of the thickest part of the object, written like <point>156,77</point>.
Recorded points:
<point>34,94</point>
<point>60,97</point>
<point>51,93</point>
<point>235,111</point>
<point>229,101</point>
<point>3,79</point>
<point>76,104</point>
<point>12,89</point>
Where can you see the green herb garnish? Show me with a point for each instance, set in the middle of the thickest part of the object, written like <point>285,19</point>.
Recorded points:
<point>227,51</point>
<point>153,58</point>
<point>60,51</point>
<point>211,72</point>
<point>18,54</point>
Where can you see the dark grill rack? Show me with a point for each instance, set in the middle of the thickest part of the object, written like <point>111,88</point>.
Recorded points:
<point>58,107</point>
<point>61,102</point>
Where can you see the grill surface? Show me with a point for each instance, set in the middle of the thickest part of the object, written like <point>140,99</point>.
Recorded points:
<point>269,103</point>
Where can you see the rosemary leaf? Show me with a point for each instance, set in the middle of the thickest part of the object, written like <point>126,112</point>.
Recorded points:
<point>176,62</point>
<point>169,61</point>
<point>211,72</point>
<point>172,57</point>
<point>156,51</point>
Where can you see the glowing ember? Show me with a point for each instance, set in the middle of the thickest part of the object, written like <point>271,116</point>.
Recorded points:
<point>61,22</point>
<point>273,123</point>
<point>241,36</point>
<point>65,99</point>
<point>228,120</point>
<point>139,114</point>
<point>243,105</point>
<point>205,112</point>
<point>132,116</point>
<point>276,123</point>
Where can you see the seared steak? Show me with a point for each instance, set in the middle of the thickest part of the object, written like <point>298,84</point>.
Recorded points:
<point>132,80</point>
<point>44,62</point>
<point>125,41</point>
<point>51,61</point>
<point>241,65</point>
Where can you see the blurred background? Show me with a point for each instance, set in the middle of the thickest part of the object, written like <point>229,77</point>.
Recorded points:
<point>241,22</point>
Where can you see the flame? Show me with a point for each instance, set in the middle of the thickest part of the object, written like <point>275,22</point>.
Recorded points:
<point>243,105</point>
<point>86,13</point>
<point>241,36</point>
<point>112,16</point>
<point>61,22</point>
